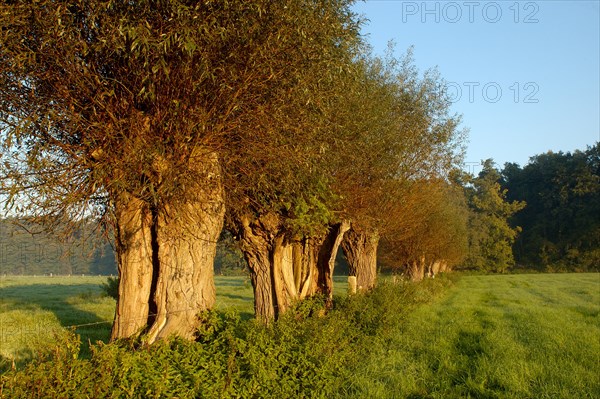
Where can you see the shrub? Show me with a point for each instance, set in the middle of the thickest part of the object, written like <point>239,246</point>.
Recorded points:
<point>307,353</point>
<point>111,287</point>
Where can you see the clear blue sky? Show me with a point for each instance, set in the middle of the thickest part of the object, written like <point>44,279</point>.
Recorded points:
<point>525,75</point>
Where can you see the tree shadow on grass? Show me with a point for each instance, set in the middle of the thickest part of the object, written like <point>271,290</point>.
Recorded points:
<point>243,298</point>
<point>61,300</point>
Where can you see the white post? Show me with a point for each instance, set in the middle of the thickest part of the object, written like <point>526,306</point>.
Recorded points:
<point>351,285</point>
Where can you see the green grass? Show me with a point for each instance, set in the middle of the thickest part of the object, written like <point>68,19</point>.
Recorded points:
<point>501,336</point>
<point>34,309</point>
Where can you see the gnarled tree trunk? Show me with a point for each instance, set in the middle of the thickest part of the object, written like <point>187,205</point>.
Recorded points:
<point>437,266</point>
<point>416,269</point>
<point>256,239</point>
<point>282,269</point>
<point>326,259</point>
<point>187,234</point>
<point>134,247</point>
<point>444,268</point>
<point>360,249</point>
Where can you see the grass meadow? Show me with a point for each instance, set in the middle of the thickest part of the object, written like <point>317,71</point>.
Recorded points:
<point>34,309</point>
<point>496,336</point>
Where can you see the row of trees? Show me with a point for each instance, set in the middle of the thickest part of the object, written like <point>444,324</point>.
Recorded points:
<point>170,120</point>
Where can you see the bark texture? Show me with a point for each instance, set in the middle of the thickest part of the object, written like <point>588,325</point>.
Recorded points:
<point>283,269</point>
<point>187,235</point>
<point>360,249</point>
<point>326,259</point>
<point>256,240</point>
<point>294,270</point>
<point>166,254</point>
<point>437,266</point>
<point>416,269</point>
<point>135,259</point>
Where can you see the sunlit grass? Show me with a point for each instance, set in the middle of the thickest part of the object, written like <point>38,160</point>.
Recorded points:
<point>34,309</point>
<point>514,336</point>
<point>507,336</point>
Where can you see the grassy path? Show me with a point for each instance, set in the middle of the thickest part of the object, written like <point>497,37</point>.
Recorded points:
<point>509,336</point>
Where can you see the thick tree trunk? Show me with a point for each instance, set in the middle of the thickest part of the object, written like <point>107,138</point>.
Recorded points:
<point>282,270</point>
<point>416,269</point>
<point>326,259</point>
<point>134,247</point>
<point>435,268</point>
<point>256,241</point>
<point>305,265</point>
<point>187,234</point>
<point>360,248</point>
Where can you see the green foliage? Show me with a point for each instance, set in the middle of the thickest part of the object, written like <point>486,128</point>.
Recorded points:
<point>490,235</point>
<point>561,224</point>
<point>307,353</point>
<point>33,309</point>
<point>111,287</point>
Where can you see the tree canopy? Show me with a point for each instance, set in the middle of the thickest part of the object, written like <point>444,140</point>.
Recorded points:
<point>167,120</point>
<point>561,223</point>
<point>491,237</point>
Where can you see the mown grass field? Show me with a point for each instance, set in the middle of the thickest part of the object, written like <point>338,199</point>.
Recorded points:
<point>33,309</point>
<point>501,336</point>
<point>497,336</point>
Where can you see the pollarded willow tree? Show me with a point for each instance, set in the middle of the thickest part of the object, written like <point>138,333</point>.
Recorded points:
<point>142,113</point>
<point>279,213</point>
<point>427,230</point>
<point>401,134</point>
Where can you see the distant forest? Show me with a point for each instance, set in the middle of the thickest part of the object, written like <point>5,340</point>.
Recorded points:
<point>28,251</point>
<point>561,220</point>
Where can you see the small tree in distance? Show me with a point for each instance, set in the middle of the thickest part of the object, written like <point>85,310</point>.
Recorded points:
<point>490,235</point>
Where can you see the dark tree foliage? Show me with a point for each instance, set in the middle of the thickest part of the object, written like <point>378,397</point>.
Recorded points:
<point>561,223</point>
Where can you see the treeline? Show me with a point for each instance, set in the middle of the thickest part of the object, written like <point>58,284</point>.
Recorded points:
<point>544,216</point>
<point>29,250</point>
<point>561,222</point>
